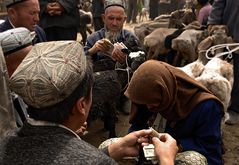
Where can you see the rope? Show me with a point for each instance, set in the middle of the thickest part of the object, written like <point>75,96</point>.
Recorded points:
<point>127,69</point>
<point>220,46</point>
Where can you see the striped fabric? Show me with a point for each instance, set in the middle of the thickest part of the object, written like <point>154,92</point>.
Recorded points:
<point>49,73</point>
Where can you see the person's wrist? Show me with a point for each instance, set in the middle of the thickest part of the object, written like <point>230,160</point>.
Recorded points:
<point>115,151</point>
<point>91,51</point>
<point>166,161</point>
<point>180,147</point>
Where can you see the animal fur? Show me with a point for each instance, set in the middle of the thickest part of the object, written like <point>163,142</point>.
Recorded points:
<point>107,91</point>
<point>217,76</point>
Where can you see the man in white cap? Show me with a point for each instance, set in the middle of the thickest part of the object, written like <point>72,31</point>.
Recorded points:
<point>24,13</point>
<point>114,17</point>
<point>16,44</point>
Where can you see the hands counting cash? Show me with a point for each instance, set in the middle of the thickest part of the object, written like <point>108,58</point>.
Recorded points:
<point>149,149</point>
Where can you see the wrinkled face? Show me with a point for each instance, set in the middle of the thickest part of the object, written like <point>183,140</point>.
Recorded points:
<point>25,14</point>
<point>114,18</point>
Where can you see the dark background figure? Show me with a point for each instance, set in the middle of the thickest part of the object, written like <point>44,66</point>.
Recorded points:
<point>153,9</point>
<point>226,12</point>
<point>132,11</point>
<point>97,11</point>
<point>204,8</point>
<point>59,19</point>
<point>169,6</point>
<point>211,1</point>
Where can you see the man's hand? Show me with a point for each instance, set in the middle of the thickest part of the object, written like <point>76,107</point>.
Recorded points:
<point>54,8</point>
<point>165,148</point>
<point>82,129</point>
<point>129,145</point>
<point>102,46</point>
<point>117,54</point>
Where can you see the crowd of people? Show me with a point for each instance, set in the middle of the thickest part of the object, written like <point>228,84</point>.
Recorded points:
<point>46,79</point>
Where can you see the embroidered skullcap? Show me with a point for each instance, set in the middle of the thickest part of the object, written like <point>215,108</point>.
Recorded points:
<point>109,3</point>
<point>9,3</point>
<point>15,39</point>
<point>49,73</point>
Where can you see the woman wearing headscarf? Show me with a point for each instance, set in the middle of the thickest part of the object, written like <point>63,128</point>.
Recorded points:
<point>192,112</point>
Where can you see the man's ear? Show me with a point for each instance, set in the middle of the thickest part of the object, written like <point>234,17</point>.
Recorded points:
<point>79,106</point>
<point>103,17</point>
<point>10,11</point>
<point>125,18</point>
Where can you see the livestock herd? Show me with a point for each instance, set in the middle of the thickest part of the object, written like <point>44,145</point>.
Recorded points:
<point>184,43</point>
<point>180,40</point>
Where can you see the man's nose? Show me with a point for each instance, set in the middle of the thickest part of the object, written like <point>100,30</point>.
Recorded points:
<point>36,18</point>
<point>114,22</point>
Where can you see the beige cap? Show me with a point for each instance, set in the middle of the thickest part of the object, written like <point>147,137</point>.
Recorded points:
<point>49,73</point>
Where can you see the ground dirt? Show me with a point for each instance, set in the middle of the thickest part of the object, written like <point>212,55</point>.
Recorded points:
<point>230,133</point>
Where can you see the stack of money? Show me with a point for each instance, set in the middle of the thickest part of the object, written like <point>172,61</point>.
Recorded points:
<point>149,152</point>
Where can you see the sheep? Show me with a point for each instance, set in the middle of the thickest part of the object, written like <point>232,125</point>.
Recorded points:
<point>186,43</point>
<point>182,17</point>
<point>85,19</point>
<point>214,73</point>
<point>144,29</point>
<point>217,35</point>
<point>155,42</point>
<point>193,69</point>
<point>107,90</point>
<point>217,77</point>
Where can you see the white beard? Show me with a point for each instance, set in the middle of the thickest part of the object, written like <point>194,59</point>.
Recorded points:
<point>112,36</point>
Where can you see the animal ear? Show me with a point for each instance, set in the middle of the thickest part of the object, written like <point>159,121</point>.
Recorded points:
<point>214,27</point>
<point>146,32</point>
<point>205,44</point>
<point>225,28</point>
<point>229,40</point>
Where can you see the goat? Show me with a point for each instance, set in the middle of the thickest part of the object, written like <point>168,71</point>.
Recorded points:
<point>85,19</point>
<point>155,42</point>
<point>107,91</point>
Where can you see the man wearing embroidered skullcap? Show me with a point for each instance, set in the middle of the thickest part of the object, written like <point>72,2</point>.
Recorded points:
<point>24,13</point>
<point>106,41</point>
<point>55,79</point>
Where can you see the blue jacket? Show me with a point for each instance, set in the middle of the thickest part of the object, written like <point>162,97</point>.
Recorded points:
<point>128,38</point>
<point>40,34</point>
<point>200,131</point>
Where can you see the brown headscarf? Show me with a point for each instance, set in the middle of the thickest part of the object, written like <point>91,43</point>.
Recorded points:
<point>158,82</point>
